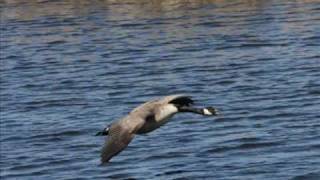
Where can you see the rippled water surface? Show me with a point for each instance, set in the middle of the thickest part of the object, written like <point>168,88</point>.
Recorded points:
<point>68,68</point>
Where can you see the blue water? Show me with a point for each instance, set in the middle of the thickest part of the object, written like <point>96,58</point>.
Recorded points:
<point>69,68</point>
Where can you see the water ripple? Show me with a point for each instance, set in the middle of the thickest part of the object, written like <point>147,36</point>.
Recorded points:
<point>69,69</point>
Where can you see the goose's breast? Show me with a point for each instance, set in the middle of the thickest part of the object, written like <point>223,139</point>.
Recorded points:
<point>162,116</point>
<point>165,112</point>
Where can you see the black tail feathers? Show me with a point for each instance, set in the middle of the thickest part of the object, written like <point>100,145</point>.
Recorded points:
<point>105,132</point>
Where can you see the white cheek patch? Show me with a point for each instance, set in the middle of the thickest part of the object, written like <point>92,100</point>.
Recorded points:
<point>206,111</point>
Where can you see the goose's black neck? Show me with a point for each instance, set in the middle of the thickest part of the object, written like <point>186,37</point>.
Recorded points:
<point>190,109</point>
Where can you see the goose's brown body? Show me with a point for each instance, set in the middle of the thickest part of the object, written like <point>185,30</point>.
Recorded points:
<point>146,118</point>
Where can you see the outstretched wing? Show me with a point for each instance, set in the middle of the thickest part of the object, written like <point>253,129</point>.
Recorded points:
<point>118,139</point>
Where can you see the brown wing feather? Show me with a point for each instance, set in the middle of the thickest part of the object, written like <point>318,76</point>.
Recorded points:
<point>117,140</point>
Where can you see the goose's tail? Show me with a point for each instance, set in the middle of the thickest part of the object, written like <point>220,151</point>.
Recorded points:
<point>104,132</point>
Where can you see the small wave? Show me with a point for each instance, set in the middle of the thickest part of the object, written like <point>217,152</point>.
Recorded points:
<point>314,92</point>
<point>226,82</point>
<point>257,145</point>
<point>56,42</point>
<point>167,156</point>
<point>133,25</point>
<point>33,105</point>
<point>57,136</point>
<point>308,176</point>
<point>245,146</point>
<point>174,172</point>
<point>210,24</point>
<point>83,146</point>
<point>22,167</point>
<point>59,162</point>
<point>121,176</point>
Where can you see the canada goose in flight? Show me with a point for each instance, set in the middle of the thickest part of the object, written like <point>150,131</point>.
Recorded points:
<point>143,119</point>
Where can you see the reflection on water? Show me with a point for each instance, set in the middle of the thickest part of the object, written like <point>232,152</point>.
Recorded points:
<point>68,68</point>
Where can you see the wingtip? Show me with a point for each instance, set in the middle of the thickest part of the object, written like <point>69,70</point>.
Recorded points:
<point>103,163</point>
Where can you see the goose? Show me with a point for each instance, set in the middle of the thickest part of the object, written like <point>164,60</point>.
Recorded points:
<point>146,118</point>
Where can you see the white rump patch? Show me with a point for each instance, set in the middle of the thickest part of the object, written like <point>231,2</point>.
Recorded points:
<point>206,111</point>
